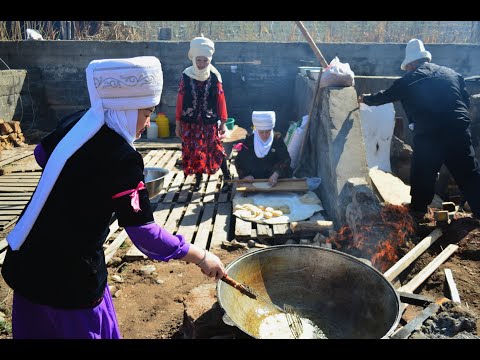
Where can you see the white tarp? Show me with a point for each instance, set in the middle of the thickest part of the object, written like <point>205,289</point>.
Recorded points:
<point>378,123</point>
<point>300,206</point>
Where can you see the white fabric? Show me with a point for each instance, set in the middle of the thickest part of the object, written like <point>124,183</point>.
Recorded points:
<point>263,120</point>
<point>262,147</point>
<point>415,51</point>
<point>201,46</point>
<point>113,84</point>
<point>123,123</point>
<point>378,123</point>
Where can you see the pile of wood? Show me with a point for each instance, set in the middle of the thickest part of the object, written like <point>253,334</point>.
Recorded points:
<point>10,134</point>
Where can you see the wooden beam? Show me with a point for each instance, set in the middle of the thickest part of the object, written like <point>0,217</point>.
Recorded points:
<point>416,323</point>
<point>312,44</point>
<point>452,286</point>
<point>429,269</point>
<point>415,299</point>
<point>418,250</point>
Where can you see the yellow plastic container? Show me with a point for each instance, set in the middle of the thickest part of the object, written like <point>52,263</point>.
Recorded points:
<point>163,125</point>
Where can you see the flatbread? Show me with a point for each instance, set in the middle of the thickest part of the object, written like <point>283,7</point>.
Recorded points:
<point>262,185</point>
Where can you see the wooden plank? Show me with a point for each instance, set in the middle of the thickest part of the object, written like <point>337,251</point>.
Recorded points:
<point>12,202</point>
<point>415,299</point>
<point>188,225</point>
<point>211,188</point>
<point>147,157</point>
<point>113,247</point>
<point>429,269</point>
<point>15,158</point>
<point>3,244</point>
<point>155,158</point>
<point>264,231</point>
<point>174,217</point>
<point>6,224</point>
<point>221,226</point>
<point>413,254</point>
<point>133,254</point>
<point>113,229</point>
<point>167,156</point>
<point>452,286</point>
<point>11,207</point>
<point>198,195</point>
<point>9,197</point>
<point>18,189</point>
<point>281,186</point>
<point>174,187</point>
<point>6,217</point>
<point>243,228</point>
<point>2,257</point>
<point>280,229</point>
<point>183,196</point>
<point>416,323</point>
<point>204,227</point>
<point>160,214</point>
<point>171,163</point>
<point>11,212</point>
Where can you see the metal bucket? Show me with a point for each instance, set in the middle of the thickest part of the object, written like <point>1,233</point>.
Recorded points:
<point>154,178</point>
<point>341,295</point>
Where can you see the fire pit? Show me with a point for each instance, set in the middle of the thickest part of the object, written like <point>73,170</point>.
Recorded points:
<point>337,292</point>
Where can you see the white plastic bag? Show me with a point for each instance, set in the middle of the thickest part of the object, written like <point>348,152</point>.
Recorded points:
<point>337,74</point>
<point>295,146</point>
<point>378,123</point>
<point>289,135</point>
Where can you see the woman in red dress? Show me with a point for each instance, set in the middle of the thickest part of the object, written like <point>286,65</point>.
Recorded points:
<point>201,114</point>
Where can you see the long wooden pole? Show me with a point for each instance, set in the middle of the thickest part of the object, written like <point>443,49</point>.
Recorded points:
<point>310,41</point>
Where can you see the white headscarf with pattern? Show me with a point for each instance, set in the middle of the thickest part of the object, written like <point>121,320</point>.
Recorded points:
<point>118,88</point>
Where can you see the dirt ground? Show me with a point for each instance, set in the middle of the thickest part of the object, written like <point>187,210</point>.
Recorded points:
<point>151,306</point>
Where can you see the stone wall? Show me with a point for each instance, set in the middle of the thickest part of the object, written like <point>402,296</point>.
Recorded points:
<point>55,84</point>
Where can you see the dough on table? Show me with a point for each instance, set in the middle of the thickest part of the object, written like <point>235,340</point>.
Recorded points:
<point>262,185</point>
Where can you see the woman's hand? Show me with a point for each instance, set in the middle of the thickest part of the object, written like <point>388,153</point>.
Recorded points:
<point>212,266</point>
<point>273,179</point>
<point>178,129</point>
<point>248,178</point>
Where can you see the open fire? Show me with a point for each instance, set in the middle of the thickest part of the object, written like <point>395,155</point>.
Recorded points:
<point>377,241</point>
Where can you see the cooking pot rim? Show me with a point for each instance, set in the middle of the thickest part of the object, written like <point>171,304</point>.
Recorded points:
<point>254,252</point>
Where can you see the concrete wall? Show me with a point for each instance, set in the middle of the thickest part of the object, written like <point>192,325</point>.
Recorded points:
<point>55,85</point>
<point>11,83</point>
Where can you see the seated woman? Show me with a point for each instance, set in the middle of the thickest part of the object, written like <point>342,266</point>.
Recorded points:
<point>263,154</point>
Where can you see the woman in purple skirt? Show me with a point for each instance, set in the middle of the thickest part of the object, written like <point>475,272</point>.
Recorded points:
<point>55,261</point>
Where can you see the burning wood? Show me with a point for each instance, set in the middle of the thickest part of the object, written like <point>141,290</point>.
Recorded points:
<point>378,241</point>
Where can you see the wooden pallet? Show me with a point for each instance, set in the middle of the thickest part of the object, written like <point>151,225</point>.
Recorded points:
<point>16,189</point>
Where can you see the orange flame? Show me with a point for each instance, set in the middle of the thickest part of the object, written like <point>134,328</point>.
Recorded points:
<point>395,228</point>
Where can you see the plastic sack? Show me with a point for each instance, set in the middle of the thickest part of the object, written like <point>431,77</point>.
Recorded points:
<point>295,146</point>
<point>337,74</point>
<point>378,123</point>
<point>291,130</point>
<point>313,182</point>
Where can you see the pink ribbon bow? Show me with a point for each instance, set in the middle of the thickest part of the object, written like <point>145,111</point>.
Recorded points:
<point>135,200</point>
<point>239,146</point>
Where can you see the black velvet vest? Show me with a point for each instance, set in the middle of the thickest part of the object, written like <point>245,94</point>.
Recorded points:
<point>200,101</point>
<point>62,263</point>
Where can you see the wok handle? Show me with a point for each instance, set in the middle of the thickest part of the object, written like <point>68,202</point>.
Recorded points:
<point>239,286</point>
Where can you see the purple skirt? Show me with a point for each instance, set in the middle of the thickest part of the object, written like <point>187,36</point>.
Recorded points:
<point>33,321</point>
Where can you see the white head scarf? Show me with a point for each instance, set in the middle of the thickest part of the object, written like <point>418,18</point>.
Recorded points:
<point>118,88</point>
<point>201,46</point>
<point>263,120</point>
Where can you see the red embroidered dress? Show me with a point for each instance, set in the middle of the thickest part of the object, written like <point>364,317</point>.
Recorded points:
<point>202,149</point>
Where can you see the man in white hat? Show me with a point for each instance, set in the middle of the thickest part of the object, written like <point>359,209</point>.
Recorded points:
<point>263,154</point>
<point>55,262</point>
<point>437,103</point>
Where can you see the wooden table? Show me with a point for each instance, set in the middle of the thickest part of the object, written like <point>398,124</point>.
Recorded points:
<point>233,136</point>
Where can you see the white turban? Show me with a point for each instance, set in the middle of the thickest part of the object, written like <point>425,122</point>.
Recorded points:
<point>201,46</point>
<point>263,120</point>
<point>118,88</point>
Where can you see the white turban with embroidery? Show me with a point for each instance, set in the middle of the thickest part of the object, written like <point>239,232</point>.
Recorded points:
<point>118,88</point>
